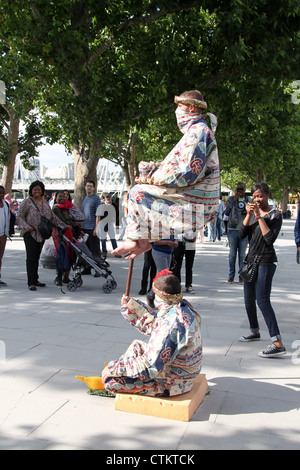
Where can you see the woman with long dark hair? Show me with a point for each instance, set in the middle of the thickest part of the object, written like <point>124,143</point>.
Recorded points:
<point>262,225</point>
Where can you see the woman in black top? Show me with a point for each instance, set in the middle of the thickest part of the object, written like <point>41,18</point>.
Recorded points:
<point>262,225</point>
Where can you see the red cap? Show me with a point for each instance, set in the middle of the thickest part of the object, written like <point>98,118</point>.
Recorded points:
<point>164,272</point>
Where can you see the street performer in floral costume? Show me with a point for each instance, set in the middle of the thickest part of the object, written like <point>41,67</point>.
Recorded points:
<point>168,363</point>
<point>182,192</point>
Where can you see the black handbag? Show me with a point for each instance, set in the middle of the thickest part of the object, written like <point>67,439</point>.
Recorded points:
<point>45,226</point>
<point>249,270</point>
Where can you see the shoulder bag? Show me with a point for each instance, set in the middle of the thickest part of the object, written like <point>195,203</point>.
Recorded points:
<point>45,226</point>
<point>249,270</point>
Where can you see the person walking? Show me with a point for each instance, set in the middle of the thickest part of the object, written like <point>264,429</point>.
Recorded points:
<point>4,228</point>
<point>28,218</point>
<point>262,224</point>
<point>236,211</point>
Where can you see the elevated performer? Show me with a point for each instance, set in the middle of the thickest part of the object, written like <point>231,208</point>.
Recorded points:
<point>182,192</point>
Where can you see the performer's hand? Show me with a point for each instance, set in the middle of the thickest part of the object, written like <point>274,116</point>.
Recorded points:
<point>105,374</point>
<point>125,299</point>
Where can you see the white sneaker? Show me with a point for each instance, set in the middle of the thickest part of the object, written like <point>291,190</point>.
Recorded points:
<point>190,290</point>
<point>250,337</point>
<point>272,351</point>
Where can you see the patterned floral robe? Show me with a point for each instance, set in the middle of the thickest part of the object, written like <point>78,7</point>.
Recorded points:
<point>172,358</point>
<point>182,192</point>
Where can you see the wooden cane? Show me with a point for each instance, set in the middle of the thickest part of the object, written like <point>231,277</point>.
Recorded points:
<point>130,269</point>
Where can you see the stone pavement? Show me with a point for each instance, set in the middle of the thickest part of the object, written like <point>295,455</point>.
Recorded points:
<point>47,337</point>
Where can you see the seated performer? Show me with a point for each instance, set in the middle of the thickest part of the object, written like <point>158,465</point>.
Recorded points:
<point>168,363</point>
<point>182,192</point>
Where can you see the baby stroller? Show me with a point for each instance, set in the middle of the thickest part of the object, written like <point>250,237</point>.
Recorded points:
<point>85,259</point>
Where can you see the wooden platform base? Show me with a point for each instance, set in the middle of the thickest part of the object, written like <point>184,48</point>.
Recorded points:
<point>180,407</point>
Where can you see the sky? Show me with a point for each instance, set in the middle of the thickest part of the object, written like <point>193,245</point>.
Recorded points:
<point>53,156</point>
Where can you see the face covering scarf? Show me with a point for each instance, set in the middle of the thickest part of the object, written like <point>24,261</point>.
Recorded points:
<point>186,119</point>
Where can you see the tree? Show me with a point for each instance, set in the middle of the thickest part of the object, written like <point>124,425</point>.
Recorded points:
<point>91,94</point>
<point>112,65</point>
<point>152,142</point>
<point>266,146</point>
<point>15,112</point>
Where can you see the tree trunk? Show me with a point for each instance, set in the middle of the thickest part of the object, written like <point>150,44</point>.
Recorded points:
<point>285,198</point>
<point>259,175</point>
<point>85,168</point>
<point>132,163</point>
<point>125,170</point>
<point>13,146</point>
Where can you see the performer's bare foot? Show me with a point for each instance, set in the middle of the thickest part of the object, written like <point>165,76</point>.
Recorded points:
<point>126,247</point>
<point>133,248</point>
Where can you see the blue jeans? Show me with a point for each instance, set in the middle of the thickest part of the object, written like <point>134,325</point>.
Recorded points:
<point>259,292</point>
<point>219,229</point>
<point>212,231</point>
<point>236,246</point>
<point>162,261</point>
<point>104,230</point>
<point>103,244</point>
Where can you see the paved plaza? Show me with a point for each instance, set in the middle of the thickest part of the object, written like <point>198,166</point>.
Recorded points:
<point>47,337</point>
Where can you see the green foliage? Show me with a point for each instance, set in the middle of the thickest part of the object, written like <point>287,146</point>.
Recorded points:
<point>101,69</point>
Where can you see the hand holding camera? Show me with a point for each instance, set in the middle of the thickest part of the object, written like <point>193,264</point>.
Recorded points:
<point>253,208</point>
